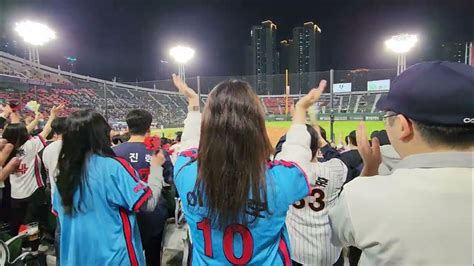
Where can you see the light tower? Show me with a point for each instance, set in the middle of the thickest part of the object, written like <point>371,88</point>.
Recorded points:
<point>401,44</point>
<point>182,54</point>
<point>34,34</point>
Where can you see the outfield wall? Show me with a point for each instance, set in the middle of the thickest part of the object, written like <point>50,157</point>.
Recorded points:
<point>337,117</point>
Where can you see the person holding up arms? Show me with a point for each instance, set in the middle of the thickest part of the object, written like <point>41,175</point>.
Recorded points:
<point>234,199</point>
<point>421,213</point>
<point>27,186</point>
<point>97,196</point>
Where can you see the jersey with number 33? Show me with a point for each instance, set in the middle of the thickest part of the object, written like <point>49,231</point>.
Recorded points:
<point>308,220</point>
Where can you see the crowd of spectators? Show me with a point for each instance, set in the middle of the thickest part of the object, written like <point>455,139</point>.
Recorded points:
<point>167,109</point>
<point>390,199</point>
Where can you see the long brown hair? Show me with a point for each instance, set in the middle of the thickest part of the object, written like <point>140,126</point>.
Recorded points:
<point>233,152</point>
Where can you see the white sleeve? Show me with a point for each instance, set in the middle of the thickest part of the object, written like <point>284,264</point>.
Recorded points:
<point>342,230</point>
<point>297,149</point>
<point>191,131</point>
<point>155,182</point>
<point>339,169</point>
<point>37,143</point>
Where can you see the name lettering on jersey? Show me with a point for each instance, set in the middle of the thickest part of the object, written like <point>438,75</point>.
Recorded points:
<point>254,207</point>
<point>133,157</point>
<point>20,153</point>
<point>192,198</point>
<point>148,158</point>
<point>321,182</point>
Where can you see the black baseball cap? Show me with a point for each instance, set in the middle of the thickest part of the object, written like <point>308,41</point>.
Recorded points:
<point>433,92</point>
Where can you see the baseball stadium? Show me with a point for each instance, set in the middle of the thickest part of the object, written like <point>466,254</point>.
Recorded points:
<point>354,96</point>
<point>121,157</point>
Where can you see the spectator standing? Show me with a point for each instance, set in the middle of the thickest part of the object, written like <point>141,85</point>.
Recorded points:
<point>138,151</point>
<point>422,212</point>
<point>97,196</point>
<point>4,115</point>
<point>27,186</point>
<point>307,220</point>
<point>234,200</point>
<point>351,157</point>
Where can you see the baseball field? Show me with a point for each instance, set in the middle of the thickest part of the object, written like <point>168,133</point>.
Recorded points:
<point>277,128</point>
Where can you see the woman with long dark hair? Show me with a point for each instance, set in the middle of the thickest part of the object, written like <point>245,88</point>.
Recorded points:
<point>97,195</point>
<point>235,200</point>
<point>28,198</point>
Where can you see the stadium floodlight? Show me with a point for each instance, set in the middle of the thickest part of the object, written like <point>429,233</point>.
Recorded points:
<point>182,55</point>
<point>35,34</point>
<point>401,44</point>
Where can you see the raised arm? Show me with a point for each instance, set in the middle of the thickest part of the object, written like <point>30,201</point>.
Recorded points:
<point>32,125</point>
<point>192,123</point>
<point>297,145</point>
<point>53,114</point>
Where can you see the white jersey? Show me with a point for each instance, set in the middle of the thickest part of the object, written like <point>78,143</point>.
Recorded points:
<point>27,179</point>
<point>50,161</point>
<point>308,220</point>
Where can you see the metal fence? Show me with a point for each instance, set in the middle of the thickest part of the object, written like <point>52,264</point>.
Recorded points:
<point>299,83</point>
<point>351,92</point>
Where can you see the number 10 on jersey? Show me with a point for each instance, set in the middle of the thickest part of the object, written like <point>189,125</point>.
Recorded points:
<point>228,241</point>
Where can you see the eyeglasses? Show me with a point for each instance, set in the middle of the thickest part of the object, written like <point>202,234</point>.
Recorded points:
<point>389,115</point>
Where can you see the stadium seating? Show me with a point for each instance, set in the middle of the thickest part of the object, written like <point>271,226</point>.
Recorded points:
<point>114,100</point>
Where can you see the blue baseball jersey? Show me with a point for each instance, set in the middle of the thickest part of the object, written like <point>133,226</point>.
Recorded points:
<point>151,223</point>
<point>264,240</point>
<point>103,230</point>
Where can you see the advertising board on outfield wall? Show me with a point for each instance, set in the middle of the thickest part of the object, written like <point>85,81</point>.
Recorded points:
<point>337,117</point>
<point>378,85</point>
<point>341,87</point>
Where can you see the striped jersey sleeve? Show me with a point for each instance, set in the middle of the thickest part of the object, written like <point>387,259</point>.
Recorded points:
<point>124,188</point>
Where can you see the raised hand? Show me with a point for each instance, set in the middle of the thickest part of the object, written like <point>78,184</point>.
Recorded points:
<point>312,97</point>
<point>190,94</point>
<point>56,110</point>
<point>38,116</point>
<point>299,115</point>
<point>370,153</point>
<point>158,159</point>
<point>5,151</point>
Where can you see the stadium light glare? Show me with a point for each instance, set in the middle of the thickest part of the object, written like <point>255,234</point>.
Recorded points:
<point>35,33</point>
<point>182,54</point>
<point>402,43</point>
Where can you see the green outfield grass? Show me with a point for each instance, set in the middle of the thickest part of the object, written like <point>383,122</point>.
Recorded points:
<point>342,128</point>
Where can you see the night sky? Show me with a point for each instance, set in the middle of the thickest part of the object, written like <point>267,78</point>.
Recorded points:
<point>128,39</point>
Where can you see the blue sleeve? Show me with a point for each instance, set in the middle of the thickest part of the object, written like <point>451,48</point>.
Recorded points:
<point>184,158</point>
<point>291,180</point>
<point>56,202</point>
<point>125,189</point>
